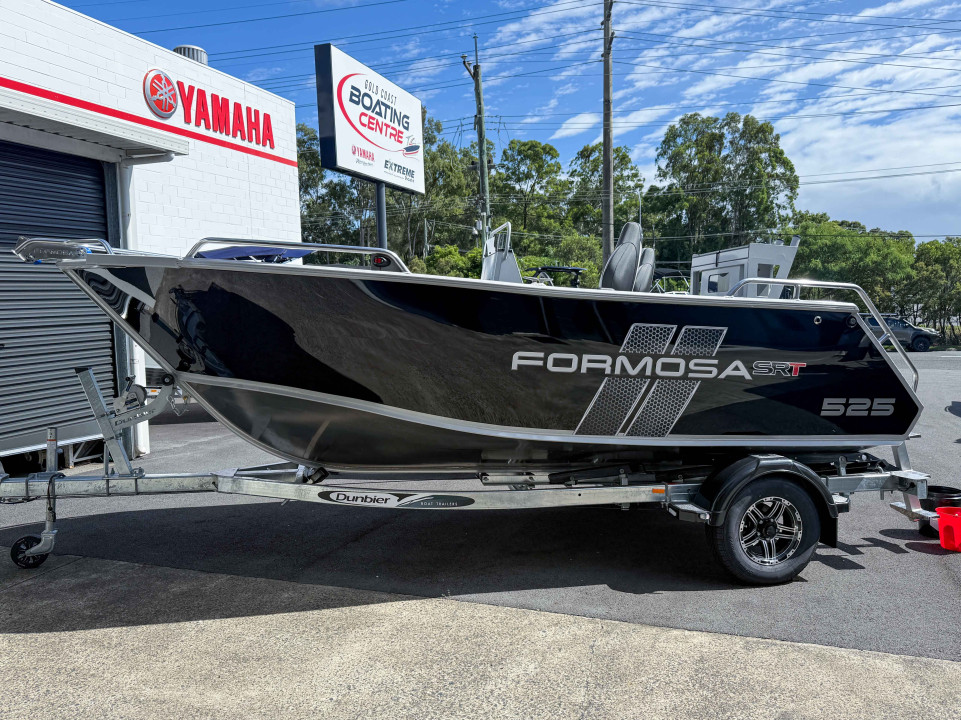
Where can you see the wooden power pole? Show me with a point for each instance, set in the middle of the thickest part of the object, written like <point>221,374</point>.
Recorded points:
<point>485,201</point>
<point>607,184</point>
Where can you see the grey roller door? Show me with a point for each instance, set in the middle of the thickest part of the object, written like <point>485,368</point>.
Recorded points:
<point>47,326</point>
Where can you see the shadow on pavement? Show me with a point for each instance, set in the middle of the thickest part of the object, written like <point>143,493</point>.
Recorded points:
<point>414,554</point>
<point>601,561</point>
<point>954,408</point>
<point>70,594</point>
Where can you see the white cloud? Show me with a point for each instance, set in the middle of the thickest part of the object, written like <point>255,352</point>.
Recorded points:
<point>577,125</point>
<point>262,73</point>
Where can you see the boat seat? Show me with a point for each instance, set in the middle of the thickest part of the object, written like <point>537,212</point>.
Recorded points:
<point>622,265</point>
<point>644,279</point>
<point>630,267</point>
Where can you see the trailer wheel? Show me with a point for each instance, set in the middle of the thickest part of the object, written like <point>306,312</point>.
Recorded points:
<point>28,562</point>
<point>770,532</point>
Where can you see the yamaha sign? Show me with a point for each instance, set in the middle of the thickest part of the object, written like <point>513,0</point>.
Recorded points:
<point>206,110</point>
<point>369,127</point>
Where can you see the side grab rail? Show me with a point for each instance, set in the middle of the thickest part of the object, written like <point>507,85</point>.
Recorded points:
<point>798,284</point>
<point>37,249</point>
<point>293,245</point>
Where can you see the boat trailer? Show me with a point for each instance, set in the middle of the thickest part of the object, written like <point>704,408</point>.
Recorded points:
<point>702,499</point>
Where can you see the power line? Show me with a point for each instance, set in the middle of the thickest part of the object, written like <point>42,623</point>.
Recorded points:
<point>677,40</point>
<point>448,84</point>
<point>301,83</point>
<point>665,70</point>
<point>756,232</point>
<point>778,80</point>
<point>190,12</point>
<point>288,83</point>
<point>754,185</point>
<point>468,21</point>
<point>815,59</point>
<point>633,125</point>
<point>714,9</point>
<point>309,46</point>
<point>411,63</point>
<point>741,103</point>
<point>462,23</point>
<point>272,17</point>
<point>313,151</point>
<point>115,2</point>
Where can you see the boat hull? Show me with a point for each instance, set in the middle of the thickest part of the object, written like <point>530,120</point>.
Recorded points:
<point>365,369</point>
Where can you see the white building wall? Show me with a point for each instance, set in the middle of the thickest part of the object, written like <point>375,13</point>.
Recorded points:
<point>222,187</point>
<point>211,191</point>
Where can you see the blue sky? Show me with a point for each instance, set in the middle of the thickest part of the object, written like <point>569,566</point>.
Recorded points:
<point>856,89</point>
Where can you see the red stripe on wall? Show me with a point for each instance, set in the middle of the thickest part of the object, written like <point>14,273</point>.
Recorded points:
<point>129,117</point>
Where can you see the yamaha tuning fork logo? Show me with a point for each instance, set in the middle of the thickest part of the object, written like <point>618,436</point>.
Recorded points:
<point>650,383</point>
<point>160,93</point>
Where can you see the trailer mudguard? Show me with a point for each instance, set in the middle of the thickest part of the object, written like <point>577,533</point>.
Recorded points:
<point>719,490</point>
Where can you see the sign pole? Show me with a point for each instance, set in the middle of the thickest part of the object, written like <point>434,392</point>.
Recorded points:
<point>382,215</point>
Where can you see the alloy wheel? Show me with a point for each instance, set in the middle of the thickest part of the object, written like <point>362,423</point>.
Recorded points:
<point>770,531</point>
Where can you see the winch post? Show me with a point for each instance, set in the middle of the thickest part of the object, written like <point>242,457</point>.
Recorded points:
<point>112,446</point>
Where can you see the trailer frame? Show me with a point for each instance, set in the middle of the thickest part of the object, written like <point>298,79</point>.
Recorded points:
<point>703,499</point>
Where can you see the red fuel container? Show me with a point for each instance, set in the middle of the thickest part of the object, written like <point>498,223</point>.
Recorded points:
<point>949,527</point>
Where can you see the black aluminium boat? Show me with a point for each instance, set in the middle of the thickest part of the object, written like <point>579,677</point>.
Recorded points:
<point>379,368</point>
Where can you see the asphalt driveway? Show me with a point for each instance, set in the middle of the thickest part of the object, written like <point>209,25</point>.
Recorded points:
<point>640,566</point>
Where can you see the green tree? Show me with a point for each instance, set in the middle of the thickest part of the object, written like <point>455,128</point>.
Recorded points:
<point>585,175</point>
<point>529,192</point>
<point>339,209</point>
<point>727,180</point>
<point>690,161</point>
<point>446,204</point>
<point>447,260</point>
<point>326,203</point>
<point>879,262</point>
<point>938,284</point>
<point>760,184</point>
<point>573,250</point>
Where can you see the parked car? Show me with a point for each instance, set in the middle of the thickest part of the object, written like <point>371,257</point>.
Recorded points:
<point>911,336</point>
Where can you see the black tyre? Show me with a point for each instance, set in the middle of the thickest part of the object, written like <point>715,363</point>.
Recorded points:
<point>921,344</point>
<point>21,546</point>
<point>770,533</point>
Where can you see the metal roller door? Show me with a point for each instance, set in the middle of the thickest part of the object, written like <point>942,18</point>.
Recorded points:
<point>47,326</point>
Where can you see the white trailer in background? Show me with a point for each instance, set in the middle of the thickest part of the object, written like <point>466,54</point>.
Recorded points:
<point>717,272</point>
